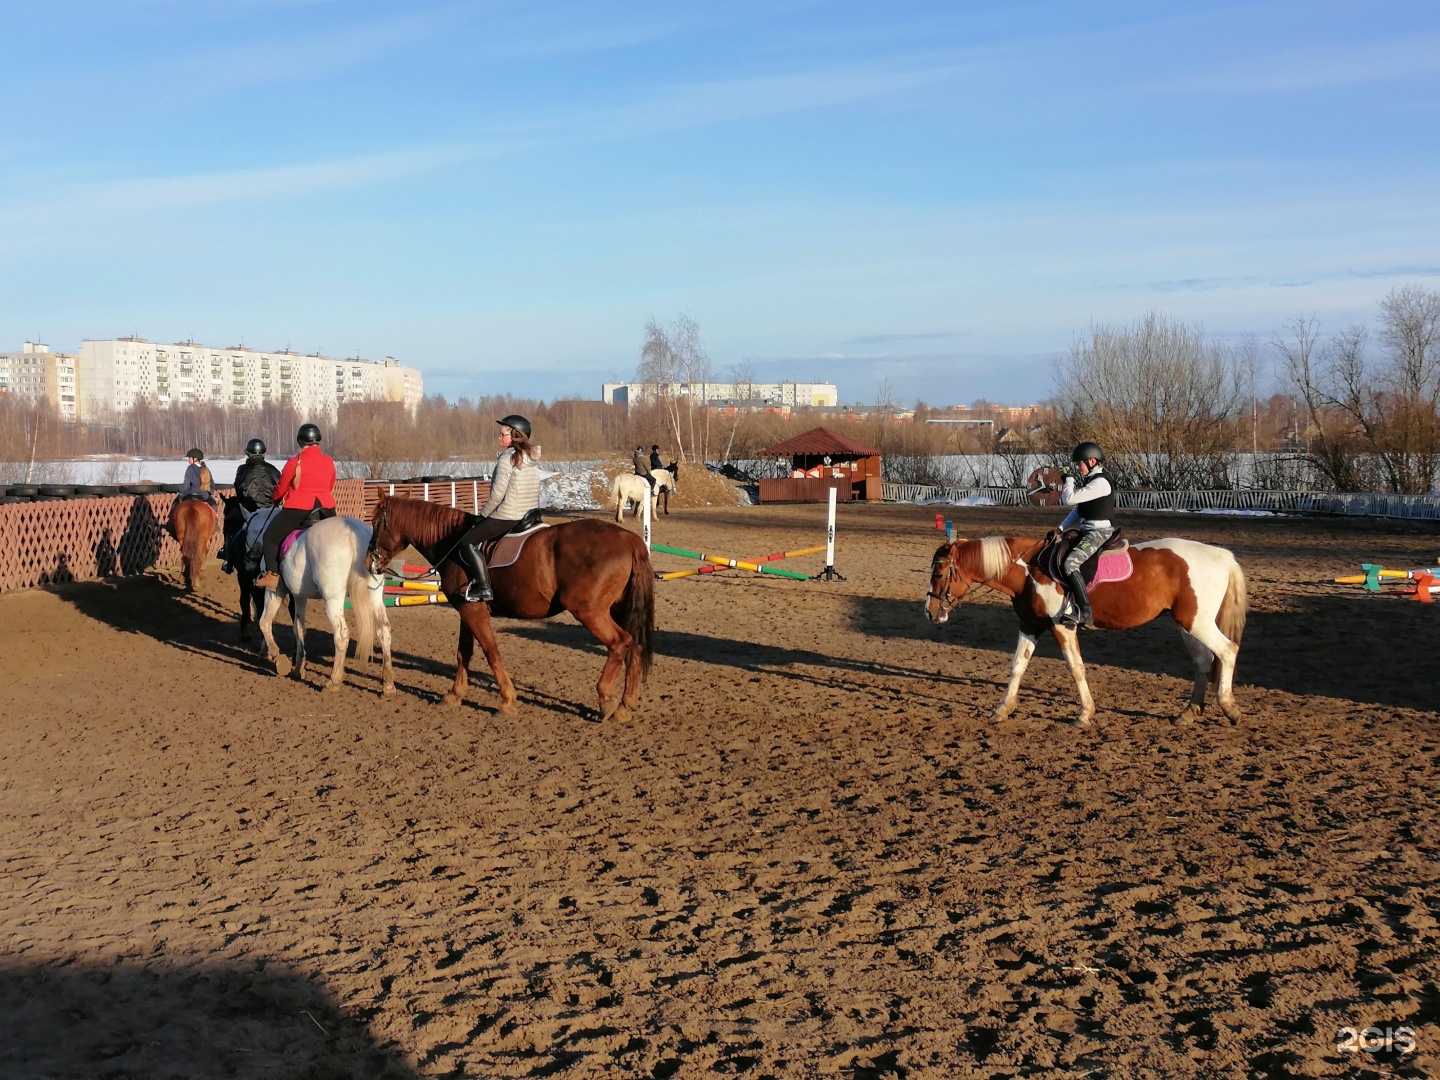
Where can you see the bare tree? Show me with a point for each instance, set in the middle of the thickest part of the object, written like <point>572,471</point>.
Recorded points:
<point>1160,399</point>
<point>742,379</point>
<point>674,359</point>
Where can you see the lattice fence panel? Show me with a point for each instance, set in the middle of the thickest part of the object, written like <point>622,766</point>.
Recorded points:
<point>72,539</point>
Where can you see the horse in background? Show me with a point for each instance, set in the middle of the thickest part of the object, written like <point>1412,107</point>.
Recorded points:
<point>1202,587</point>
<point>629,488</point>
<point>328,560</point>
<point>599,573</point>
<point>192,523</point>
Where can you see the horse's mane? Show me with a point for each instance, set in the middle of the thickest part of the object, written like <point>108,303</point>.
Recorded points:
<point>986,559</point>
<point>423,522</point>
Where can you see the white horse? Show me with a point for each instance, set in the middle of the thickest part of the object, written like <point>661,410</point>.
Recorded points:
<point>329,561</point>
<point>628,487</point>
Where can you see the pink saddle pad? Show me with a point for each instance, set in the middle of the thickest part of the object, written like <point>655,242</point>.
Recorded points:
<point>289,542</point>
<point>507,548</point>
<point>1114,566</point>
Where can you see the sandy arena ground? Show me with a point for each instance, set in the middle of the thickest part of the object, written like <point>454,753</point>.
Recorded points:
<point>811,854</point>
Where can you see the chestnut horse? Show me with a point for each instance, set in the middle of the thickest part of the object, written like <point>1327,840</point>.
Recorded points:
<point>597,571</point>
<point>192,523</point>
<point>1201,586</point>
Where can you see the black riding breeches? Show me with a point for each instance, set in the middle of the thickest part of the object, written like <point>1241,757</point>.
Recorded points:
<point>286,521</point>
<point>487,528</point>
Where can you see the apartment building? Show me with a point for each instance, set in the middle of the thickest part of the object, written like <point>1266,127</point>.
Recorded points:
<point>36,373</point>
<point>750,395</point>
<point>116,373</point>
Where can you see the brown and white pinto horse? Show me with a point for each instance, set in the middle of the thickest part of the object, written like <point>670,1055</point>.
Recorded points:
<point>597,571</point>
<point>1202,586</point>
<point>192,523</point>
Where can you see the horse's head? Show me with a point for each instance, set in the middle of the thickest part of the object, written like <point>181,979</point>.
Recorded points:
<point>385,543</point>
<point>948,583</point>
<point>674,470</point>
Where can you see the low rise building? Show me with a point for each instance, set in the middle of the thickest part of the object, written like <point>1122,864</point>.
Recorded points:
<point>756,396</point>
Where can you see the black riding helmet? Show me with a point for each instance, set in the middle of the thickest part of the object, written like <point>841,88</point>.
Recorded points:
<point>255,448</point>
<point>198,455</point>
<point>1087,450</point>
<point>308,435</point>
<point>517,422</point>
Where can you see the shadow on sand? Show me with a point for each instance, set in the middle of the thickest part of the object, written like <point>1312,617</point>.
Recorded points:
<point>124,1021</point>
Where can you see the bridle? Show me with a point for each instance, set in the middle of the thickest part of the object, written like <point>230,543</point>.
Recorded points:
<point>947,603</point>
<point>376,564</point>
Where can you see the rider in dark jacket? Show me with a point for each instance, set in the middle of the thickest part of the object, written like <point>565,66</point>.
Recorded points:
<point>655,461</point>
<point>255,482</point>
<point>197,483</point>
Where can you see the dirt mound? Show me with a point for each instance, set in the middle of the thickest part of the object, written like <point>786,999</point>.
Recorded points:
<point>697,487</point>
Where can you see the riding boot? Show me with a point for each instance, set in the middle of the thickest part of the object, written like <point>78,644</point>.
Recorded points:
<point>1080,597</point>
<point>479,589</point>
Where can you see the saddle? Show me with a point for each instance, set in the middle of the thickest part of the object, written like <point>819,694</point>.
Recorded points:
<point>1110,563</point>
<point>505,549</point>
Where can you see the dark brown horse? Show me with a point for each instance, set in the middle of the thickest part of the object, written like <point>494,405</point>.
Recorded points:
<point>598,572</point>
<point>192,523</point>
<point>1201,586</point>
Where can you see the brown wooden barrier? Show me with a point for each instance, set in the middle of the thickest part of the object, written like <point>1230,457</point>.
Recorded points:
<point>467,495</point>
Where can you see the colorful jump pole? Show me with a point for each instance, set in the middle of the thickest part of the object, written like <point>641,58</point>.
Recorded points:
<point>720,560</point>
<point>715,569</point>
<point>829,573</point>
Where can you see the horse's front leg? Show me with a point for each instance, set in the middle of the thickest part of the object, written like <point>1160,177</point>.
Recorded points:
<point>464,650</point>
<point>1024,649</point>
<point>1070,646</point>
<point>484,631</point>
<point>387,673</point>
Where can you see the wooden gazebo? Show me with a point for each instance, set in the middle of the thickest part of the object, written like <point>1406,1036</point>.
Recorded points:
<point>819,460</point>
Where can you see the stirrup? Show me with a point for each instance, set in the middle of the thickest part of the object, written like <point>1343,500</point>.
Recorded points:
<point>474,593</point>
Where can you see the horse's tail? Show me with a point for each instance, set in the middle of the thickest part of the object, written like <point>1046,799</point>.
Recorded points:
<point>614,492</point>
<point>197,536</point>
<point>362,600</point>
<point>639,604</point>
<point>1231,618</point>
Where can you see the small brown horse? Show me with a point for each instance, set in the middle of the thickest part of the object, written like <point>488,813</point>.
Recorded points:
<point>1201,586</point>
<point>597,571</point>
<point>192,523</point>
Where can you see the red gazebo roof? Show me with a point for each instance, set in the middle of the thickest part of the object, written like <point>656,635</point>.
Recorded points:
<point>818,442</point>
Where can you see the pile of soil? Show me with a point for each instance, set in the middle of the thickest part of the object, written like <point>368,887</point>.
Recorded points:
<point>696,487</point>
<point>811,852</point>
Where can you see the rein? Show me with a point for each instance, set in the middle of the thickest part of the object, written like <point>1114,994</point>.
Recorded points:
<point>435,564</point>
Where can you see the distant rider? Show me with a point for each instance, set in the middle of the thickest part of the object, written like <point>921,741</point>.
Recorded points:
<point>514,492</point>
<point>197,483</point>
<point>655,460</point>
<point>255,482</point>
<point>1091,499</point>
<point>306,487</point>
<point>642,465</point>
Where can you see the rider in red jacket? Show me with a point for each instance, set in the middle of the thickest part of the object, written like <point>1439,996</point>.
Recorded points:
<point>306,488</point>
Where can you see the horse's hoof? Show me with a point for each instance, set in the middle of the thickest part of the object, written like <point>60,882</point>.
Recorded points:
<point>388,690</point>
<point>331,687</point>
<point>1001,714</point>
<point>282,666</point>
<point>507,708</point>
<point>1085,723</point>
<point>1188,715</point>
<point>451,701</point>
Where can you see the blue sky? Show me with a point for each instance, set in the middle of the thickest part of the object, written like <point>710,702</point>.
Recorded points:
<point>942,195</point>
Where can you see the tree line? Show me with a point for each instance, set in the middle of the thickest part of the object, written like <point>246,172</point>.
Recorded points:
<point>1357,409</point>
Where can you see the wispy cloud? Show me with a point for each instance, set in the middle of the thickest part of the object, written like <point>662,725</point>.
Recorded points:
<point>924,335</point>
<point>1318,68</point>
